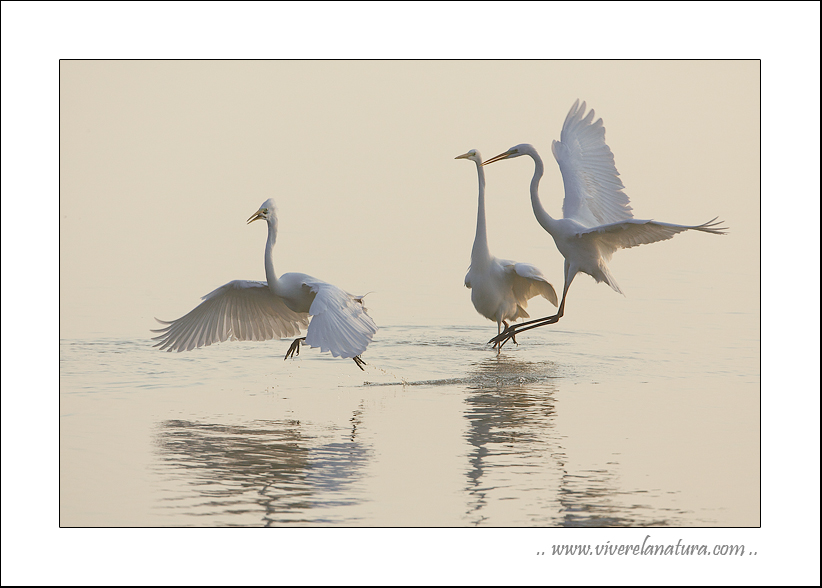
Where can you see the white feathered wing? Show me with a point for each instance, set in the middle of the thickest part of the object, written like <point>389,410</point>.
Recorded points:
<point>593,190</point>
<point>339,323</point>
<point>243,310</point>
<point>527,281</point>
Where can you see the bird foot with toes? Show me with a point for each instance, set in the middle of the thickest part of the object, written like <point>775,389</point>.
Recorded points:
<point>294,350</point>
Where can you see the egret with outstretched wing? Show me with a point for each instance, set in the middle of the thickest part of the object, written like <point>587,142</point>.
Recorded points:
<point>597,216</point>
<point>279,307</point>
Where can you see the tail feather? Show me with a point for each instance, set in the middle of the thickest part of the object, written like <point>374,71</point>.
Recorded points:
<point>608,278</point>
<point>521,313</point>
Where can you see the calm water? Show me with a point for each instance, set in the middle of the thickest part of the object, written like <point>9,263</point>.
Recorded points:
<point>566,429</point>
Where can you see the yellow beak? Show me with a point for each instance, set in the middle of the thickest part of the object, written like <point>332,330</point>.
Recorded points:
<point>499,157</point>
<point>256,216</point>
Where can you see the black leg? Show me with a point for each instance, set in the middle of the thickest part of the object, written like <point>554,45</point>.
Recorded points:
<point>500,340</point>
<point>513,330</point>
<point>499,330</point>
<point>510,332</point>
<point>513,338</point>
<point>358,360</point>
<point>294,350</point>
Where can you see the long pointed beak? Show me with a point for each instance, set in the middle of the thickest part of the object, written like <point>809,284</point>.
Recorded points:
<point>505,155</point>
<point>256,216</point>
<point>463,156</point>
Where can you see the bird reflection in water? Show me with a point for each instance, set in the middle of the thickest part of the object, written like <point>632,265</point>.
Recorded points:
<point>512,412</point>
<point>270,468</point>
<point>511,425</point>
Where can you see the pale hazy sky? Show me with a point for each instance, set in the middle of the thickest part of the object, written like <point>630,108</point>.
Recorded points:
<point>153,216</point>
<point>162,162</point>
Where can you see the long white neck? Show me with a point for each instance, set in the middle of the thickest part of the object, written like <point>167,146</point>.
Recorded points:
<point>480,252</point>
<point>543,218</point>
<point>270,275</point>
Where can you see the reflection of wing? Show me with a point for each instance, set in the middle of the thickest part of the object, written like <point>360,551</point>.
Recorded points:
<point>635,232</point>
<point>339,323</point>
<point>240,310</point>
<point>527,281</point>
<point>593,190</point>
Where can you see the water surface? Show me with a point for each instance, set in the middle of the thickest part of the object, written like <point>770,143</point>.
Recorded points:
<point>567,429</point>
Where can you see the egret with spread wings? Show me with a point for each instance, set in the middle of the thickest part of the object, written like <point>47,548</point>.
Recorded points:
<point>500,289</point>
<point>279,307</point>
<point>597,218</point>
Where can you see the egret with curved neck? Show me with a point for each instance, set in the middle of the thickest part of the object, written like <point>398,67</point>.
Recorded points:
<point>597,218</point>
<point>500,289</point>
<point>279,307</point>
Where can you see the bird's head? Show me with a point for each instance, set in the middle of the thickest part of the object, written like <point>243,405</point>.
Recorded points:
<point>473,155</point>
<point>521,149</point>
<point>267,212</point>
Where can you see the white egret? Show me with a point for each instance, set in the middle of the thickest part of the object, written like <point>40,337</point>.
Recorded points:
<point>597,217</point>
<point>500,289</point>
<point>279,307</point>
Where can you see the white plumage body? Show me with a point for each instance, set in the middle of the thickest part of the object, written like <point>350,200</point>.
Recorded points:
<point>500,289</point>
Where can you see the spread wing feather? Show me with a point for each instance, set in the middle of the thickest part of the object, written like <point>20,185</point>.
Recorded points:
<point>634,232</point>
<point>242,310</point>
<point>593,190</point>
